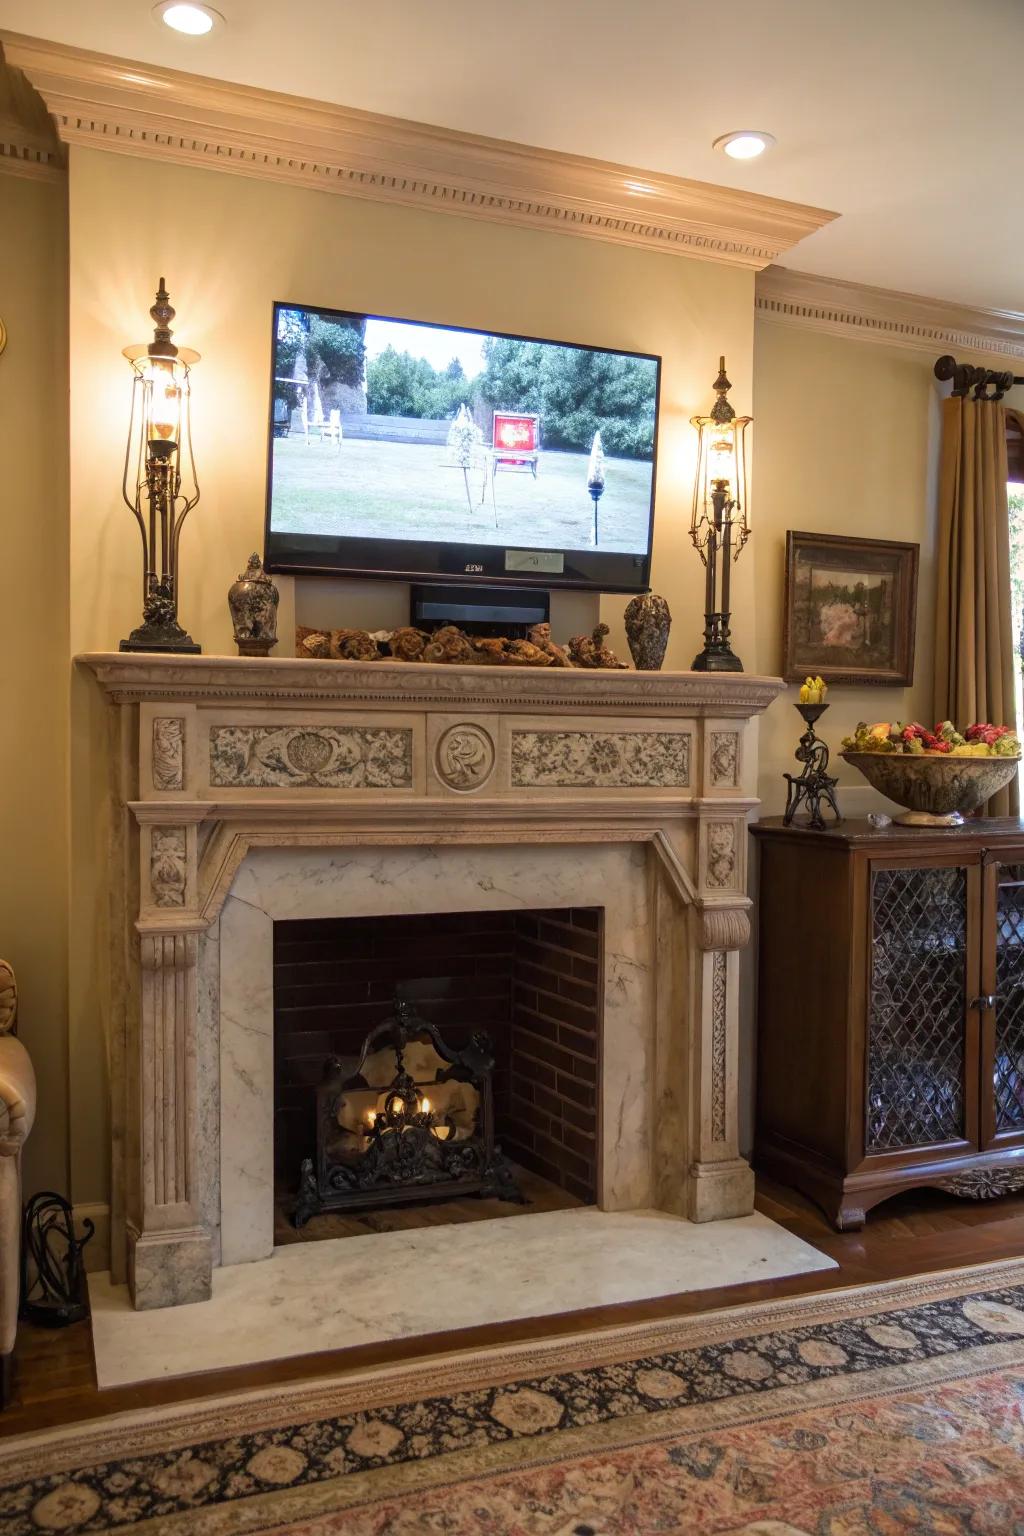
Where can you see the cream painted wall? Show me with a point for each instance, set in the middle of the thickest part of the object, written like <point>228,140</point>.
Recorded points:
<point>227,247</point>
<point>847,442</point>
<point>34,644</point>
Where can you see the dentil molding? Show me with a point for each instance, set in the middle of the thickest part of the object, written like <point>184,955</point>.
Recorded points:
<point>884,315</point>
<point>143,109</point>
<point>28,141</point>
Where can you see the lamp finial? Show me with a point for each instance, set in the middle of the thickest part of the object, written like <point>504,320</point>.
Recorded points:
<point>162,314</point>
<point>722,412</point>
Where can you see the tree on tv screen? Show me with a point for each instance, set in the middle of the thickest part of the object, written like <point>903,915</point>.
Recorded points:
<point>323,351</point>
<point>576,393</point>
<point>398,384</point>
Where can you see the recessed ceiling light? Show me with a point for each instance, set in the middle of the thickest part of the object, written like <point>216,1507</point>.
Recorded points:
<point>188,16</point>
<point>744,144</point>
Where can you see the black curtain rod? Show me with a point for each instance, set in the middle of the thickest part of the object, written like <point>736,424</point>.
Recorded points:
<point>986,383</point>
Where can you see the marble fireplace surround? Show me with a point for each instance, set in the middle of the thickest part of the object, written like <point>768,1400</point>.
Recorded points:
<point>250,790</point>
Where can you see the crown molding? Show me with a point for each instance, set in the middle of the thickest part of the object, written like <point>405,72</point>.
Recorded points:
<point>884,315</point>
<point>142,109</point>
<point>28,143</point>
<point>20,156</point>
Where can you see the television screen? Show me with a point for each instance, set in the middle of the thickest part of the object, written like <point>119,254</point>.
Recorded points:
<point>411,450</point>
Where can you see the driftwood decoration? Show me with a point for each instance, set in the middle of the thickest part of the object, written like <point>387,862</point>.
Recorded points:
<point>452,647</point>
<point>591,651</point>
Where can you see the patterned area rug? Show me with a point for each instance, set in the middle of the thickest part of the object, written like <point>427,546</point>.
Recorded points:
<point>880,1411</point>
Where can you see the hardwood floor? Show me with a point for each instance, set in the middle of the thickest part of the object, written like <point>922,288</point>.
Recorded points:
<point>914,1233</point>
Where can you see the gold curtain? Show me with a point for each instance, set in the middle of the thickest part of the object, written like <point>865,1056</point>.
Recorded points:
<point>974,655</point>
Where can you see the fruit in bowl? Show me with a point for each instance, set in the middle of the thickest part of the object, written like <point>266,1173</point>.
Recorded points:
<point>939,775</point>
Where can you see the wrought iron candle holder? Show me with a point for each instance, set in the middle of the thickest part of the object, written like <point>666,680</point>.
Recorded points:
<point>814,783</point>
<point>411,1148</point>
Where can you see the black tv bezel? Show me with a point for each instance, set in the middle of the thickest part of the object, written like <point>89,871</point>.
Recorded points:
<point>415,560</point>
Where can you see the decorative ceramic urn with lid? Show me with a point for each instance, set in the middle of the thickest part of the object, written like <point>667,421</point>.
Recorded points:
<point>253,601</point>
<point>648,622</point>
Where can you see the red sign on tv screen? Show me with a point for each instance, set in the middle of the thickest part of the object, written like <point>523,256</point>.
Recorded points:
<point>515,434</point>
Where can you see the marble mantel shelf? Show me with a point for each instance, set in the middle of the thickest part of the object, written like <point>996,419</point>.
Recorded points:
<point>396,684</point>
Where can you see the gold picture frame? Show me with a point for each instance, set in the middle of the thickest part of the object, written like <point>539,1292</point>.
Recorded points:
<point>851,609</point>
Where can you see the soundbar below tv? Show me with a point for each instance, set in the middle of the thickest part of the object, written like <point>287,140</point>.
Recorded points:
<point>403,450</point>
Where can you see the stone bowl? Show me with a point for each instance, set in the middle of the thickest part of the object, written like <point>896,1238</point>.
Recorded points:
<point>938,789</point>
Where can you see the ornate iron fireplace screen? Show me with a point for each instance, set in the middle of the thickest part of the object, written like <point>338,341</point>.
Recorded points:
<point>382,1139</point>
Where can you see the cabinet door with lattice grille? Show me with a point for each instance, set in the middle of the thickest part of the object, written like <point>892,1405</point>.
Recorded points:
<point>922,1033</point>
<point>1002,1000</point>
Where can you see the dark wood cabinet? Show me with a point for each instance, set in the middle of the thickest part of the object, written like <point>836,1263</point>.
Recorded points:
<point>890,1044</point>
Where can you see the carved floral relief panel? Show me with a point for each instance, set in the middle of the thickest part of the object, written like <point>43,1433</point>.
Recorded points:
<point>719,1044</point>
<point>723,759</point>
<point>168,866</point>
<point>311,757</point>
<point>722,854</point>
<point>168,752</point>
<point>600,759</point>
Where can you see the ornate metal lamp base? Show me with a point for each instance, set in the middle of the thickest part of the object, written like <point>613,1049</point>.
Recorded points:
<point>814,784</point>
<point>721,659</point>
<point>149,638</point>
<point>717,655</point>
<point>160,630</point>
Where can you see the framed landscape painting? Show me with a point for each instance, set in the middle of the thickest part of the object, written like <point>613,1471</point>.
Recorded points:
<point>851,607</point>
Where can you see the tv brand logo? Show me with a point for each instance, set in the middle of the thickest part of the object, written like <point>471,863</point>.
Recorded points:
<point>472,569</point>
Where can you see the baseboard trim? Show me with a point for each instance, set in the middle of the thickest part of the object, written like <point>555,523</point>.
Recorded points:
<point>97,1249</point>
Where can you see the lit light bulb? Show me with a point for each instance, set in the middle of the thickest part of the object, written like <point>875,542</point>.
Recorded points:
<point>720,455</point>
<point>165,401</point>
<point>425,1105</point>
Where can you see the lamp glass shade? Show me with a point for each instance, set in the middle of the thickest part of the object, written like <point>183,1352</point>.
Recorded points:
<point>164,390</point>
<point>720,485</point>
<point>160,430</point>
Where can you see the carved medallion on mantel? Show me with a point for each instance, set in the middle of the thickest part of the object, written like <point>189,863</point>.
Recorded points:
<point>464,757</point>
<point>239,755</point>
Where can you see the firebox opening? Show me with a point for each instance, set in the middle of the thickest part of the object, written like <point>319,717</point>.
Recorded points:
<point>531,981</point>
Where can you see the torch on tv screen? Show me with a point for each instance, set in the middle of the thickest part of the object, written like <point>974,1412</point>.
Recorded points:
<point>406,450</point>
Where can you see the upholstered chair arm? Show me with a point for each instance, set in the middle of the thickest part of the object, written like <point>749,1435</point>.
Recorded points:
<point>17,1095</point>
<point>17,1080</point>
<point>17,1111</point>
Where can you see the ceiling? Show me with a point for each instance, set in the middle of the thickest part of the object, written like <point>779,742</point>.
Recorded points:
<point>899,114</point>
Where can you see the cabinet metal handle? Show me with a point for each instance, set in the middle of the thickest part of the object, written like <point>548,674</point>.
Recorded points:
<point>985,1001</point>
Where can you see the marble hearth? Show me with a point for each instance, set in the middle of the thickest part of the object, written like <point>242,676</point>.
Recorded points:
<point>253,791</point>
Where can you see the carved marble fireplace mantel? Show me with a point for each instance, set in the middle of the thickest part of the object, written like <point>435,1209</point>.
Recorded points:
<point>220,757</point>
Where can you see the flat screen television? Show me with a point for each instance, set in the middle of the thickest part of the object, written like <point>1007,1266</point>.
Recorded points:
<point>411,451</point>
